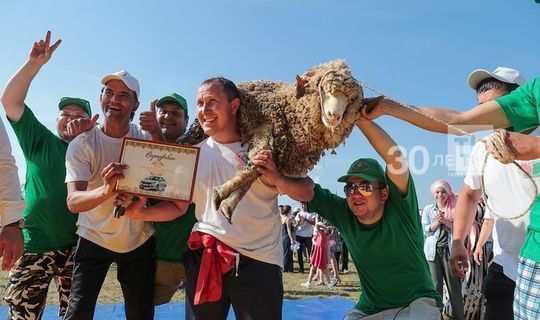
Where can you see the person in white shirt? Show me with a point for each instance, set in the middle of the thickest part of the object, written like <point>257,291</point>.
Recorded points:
<point>502,182</point>
<point>91,175</point>
<point>305,221</point>
<point>252,244</point>
<point>11,205</point>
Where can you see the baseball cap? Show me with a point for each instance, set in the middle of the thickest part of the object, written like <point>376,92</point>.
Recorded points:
<point>504,74</point>
<point>84,104</point>
<point>296,210</point>
<point>365,168</point>
<point>176,98</point>
<point>126,78</point>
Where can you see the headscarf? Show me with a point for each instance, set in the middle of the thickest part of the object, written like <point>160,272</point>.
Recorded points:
<point>450,206</point>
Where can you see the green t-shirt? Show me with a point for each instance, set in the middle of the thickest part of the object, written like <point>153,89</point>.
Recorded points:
<point>388,255</point>
<point>172,236</point>
<point>522,108</point>
<point>49,223</point>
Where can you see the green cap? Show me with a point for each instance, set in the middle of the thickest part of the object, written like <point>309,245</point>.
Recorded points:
<point>176,98</point>
<point>366,168</point>
<point>84,104</point>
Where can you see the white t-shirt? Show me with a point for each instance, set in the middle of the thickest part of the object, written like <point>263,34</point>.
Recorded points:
<point>256,225</point>
<point>509,192</point>
<point>305,229</point>
<point>86,157</point>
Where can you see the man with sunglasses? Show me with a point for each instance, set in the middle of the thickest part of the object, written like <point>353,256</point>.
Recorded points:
<point>49,233</point>
<point>380,224</point>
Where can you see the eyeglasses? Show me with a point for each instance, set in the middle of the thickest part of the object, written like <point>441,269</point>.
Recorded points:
<point>364,188</point>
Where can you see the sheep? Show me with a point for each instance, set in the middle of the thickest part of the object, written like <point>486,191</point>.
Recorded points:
<point>296,122</point>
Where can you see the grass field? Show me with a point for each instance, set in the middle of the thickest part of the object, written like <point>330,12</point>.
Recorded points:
<point>111,292</point>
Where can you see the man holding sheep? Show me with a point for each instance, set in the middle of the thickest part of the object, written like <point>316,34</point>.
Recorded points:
<point>379,222</point>
<point>252,244</point>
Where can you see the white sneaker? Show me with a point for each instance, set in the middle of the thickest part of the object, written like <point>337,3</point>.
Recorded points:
<point>306,284</point>
<point>328,286</point>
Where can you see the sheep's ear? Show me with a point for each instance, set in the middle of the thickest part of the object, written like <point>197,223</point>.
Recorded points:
<point>301,85</point>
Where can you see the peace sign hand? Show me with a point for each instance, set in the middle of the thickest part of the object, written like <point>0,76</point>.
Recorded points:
<point>41,51</point>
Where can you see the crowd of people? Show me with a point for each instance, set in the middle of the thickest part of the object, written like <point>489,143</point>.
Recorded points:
<point>70,231</point>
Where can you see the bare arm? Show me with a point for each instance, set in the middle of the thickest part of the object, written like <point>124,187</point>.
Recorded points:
<point>300,189</point>
<point>486,114</point>
<point>523,146</point>
<point>80,199</point>
<point>466,207</point>
<point>485,232</point>
<point>465,212</point>
<point>386,147</point>
<point>17,87</point>
<point>162,211</point>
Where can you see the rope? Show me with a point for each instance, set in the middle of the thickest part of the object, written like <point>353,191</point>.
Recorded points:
<point>497,141</point>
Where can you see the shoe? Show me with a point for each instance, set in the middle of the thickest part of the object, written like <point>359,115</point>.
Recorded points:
<point>306,284</point>
<point>344,271</point>
<point>335,281</point>
<point>328,286</point>
<point>319,283</point>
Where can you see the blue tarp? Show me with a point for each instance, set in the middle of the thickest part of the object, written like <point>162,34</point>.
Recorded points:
<point>301,309</point>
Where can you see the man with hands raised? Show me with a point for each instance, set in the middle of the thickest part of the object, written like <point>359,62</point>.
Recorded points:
<point>49,234</point>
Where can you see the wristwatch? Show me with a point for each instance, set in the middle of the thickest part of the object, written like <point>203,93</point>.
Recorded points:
<point>19,224</point>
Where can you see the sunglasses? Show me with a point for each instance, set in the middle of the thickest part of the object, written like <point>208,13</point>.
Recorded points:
<point>364,188</point>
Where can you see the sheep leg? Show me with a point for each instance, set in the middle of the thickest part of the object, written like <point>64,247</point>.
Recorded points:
<point>227,195</point>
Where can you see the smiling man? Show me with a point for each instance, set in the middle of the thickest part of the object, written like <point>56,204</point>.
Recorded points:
<point>252,244</point>
<point>379,222</point>
<point>91,174</point>
<point>172,115</point>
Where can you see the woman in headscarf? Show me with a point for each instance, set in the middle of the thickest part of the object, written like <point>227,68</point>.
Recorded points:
<point>437,221</point>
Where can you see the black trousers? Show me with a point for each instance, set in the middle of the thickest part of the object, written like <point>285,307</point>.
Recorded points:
<point>135,272</point>
<point>256,293</point>
<point>305,242</point>
<point>345,262</point>
<point>499,294</point>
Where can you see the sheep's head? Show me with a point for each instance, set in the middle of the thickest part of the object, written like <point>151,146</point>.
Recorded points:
<point>336,87</point>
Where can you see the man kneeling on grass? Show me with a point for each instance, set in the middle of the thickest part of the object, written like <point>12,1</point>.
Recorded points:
<point>380,224</point>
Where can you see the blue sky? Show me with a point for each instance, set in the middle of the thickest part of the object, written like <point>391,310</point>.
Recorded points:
<point>420,52</point>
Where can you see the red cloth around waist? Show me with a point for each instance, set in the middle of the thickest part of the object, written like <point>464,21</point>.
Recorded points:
<point>217,259</point>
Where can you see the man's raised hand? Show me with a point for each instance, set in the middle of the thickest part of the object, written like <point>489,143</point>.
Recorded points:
<point>42,50</point>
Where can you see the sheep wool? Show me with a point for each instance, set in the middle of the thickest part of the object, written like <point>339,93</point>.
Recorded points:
<point>296,122</point>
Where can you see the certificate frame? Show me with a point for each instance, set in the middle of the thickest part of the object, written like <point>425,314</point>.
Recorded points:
<point>159,170</point>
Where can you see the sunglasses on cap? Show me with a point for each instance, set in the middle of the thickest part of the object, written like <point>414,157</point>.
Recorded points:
<point>363,188</point>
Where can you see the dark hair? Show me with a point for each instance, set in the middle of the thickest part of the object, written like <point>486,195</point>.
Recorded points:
<point>492,83</point>
<point>230,89</point>
<point>286,209</point>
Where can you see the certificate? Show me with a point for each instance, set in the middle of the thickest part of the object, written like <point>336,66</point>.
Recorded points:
<point>158,170</point>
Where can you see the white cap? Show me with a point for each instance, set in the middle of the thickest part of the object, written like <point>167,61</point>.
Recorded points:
<point>126,78</point>
<point>504,74</point>
<point>296,210</point>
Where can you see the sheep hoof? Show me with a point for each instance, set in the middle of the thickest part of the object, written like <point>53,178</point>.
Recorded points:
<point>227,211</point>
<point>217,198</point>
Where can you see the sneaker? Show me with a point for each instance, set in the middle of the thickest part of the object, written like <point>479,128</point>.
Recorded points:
<point>328,286</point>
<point>334,281</point>
<point>306,284</point>
<point>319,283</point>
<point>344,271</point>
